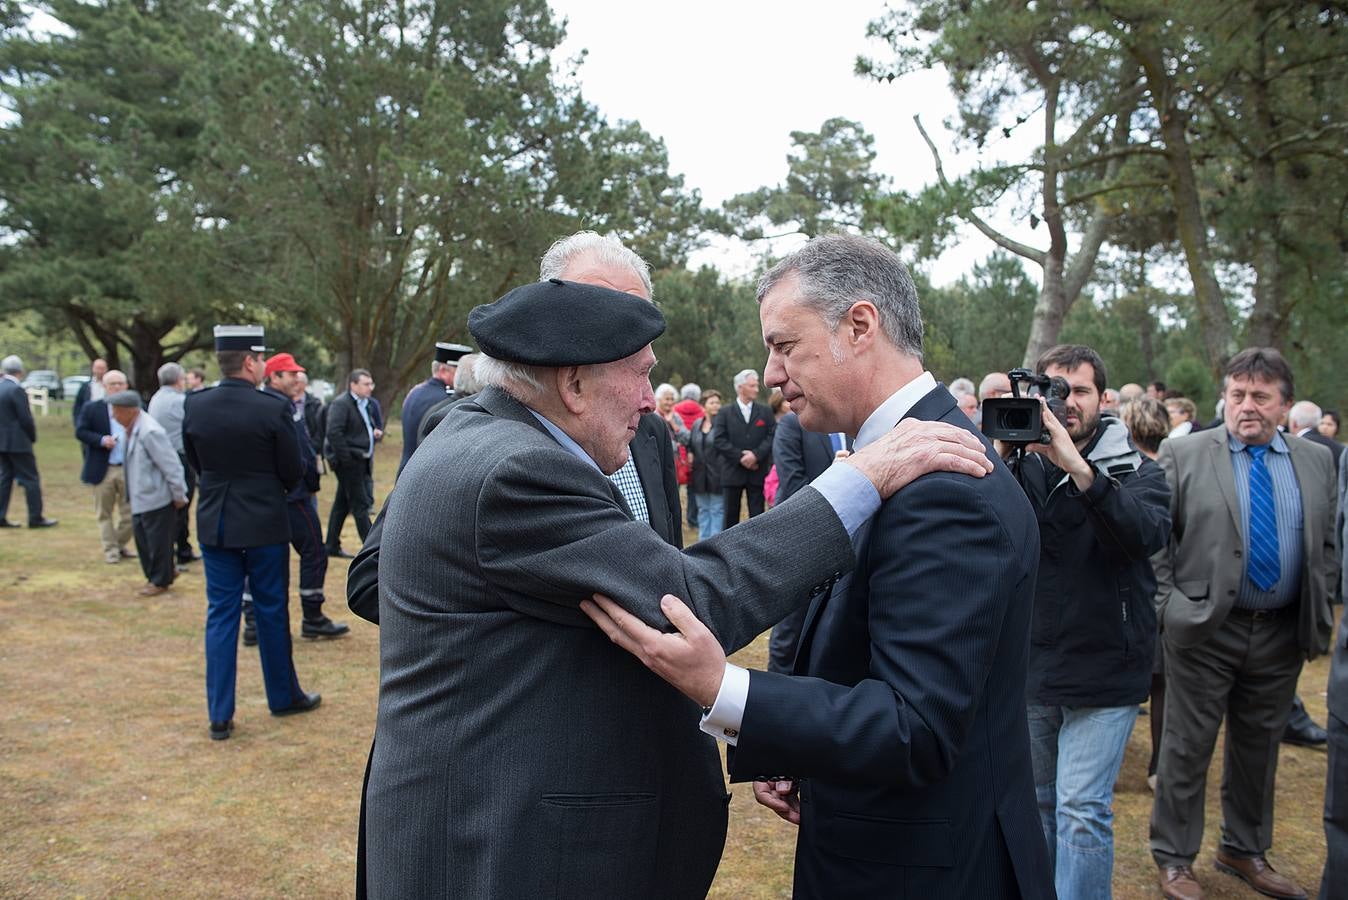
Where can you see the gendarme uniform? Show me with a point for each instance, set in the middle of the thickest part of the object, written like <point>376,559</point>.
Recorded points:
<point>242,443</point>
<point>425,395</point>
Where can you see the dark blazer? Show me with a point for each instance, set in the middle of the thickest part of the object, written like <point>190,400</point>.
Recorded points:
<point>905,716</point>
<point>243,444</point>
<point>1197,580</point>
<point>307,485</point>
<point>705,477</point>
<point>314,423</point>
<point>94,425</point>
<point>731,435</point>
<point>416,404</point>
<point>600,783</point>
<point>81,398</point>
<point>18,432</point>
<point>1335,448</point>
<point>801,456</point>
<point>347,440</point>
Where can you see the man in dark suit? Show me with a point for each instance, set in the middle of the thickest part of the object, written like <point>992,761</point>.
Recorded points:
<point>242,443</point>
<point>903,729</point>
<point>1244,597</point>
<point>483,564</point>
<point>1304,420</point>
<point>18,433</point>
<point>103,470</point>
<point>742,434</point>
<point>428,393</point>
<point>92,389</point>
<point>800,456</point>
<point>354,427</point>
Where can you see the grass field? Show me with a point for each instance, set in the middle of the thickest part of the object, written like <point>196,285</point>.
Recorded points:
<point>110,787</point>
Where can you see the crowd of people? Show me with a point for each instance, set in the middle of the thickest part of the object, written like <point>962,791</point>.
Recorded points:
<point>963,630</point>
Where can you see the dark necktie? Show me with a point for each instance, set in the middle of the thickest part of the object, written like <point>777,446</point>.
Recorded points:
<point>1264,569</point>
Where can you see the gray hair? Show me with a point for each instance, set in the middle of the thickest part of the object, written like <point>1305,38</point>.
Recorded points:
<point>991,382</point>
<point>837,270</point>
<point>669,389</point>
<point>170,374</point>
<point>744,375</point>
<point>963,386</point>
<point>524,383</point>
<point>691,391</point>
<point>606,249</point>
<point>11,365</point>
<point>1303,414</point>
<point>465,376</point>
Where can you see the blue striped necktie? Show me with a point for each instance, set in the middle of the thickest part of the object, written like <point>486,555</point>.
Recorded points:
<point>1263,569</point>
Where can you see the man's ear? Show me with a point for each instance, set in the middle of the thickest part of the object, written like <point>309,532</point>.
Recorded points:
<point>571,388</point>
<point>860,326</point>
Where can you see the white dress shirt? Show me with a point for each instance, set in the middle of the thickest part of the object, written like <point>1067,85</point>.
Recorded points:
<point>723,720</point>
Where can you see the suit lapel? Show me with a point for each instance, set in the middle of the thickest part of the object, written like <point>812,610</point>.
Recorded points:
<point>646,458</point>
<point>842,585</point>
<point>1220,456</point>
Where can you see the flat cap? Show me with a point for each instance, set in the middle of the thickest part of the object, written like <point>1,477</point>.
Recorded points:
<point>564,323</point>
<point>125,398</point>
<point>240,337</point>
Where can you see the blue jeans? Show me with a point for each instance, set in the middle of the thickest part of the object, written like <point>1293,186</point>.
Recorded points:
<point>710,515</point>
<point>1077,752</point>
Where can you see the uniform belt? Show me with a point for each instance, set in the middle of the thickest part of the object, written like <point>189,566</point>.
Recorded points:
<point>1258,615</point>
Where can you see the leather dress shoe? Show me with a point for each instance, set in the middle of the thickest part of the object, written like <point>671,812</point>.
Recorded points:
<point>185,558</point>
<point>305,703</point>
<point>6,523</point>
<point>1258,874</point>
<point>1179,883</point>
<point>220,731</point>
<point>339,553</point>
<point>323,627</point>
<point>153,590</point>
<point>42,523</point>
<point>1305,734</point>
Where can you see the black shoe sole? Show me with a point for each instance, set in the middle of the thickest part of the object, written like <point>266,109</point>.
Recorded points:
<point>324,636</point>
<point>1310,745</point>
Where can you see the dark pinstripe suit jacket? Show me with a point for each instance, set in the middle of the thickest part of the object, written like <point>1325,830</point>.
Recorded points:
<point>905,717</point>
<point>520,752</point>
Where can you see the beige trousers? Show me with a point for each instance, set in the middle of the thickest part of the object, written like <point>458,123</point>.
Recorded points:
<point>110,495</point>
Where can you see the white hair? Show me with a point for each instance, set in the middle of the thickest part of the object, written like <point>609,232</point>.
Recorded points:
<point>991,382</point>
<point>669,389</point>
<point>465,375</point>
<point>691,391</point>
<point>606,249</point>
<point>1304,414</point>
<point>963,386</point>
<point>524,383</point>
<point>11,365</point>
<point>743,376</point>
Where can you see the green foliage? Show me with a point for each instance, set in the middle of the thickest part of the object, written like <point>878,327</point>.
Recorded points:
<point>713,329</point>
<point>979,325</point>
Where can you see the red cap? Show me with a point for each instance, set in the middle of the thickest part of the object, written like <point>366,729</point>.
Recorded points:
<point>282,362</point>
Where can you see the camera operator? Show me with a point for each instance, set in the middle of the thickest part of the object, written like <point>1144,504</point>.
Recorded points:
<point>1103,509</point>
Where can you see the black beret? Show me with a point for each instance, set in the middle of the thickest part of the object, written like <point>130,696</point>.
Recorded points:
<point>565,323</point>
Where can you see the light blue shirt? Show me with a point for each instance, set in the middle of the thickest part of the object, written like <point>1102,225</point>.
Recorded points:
<point>363,404</point>
<point>1287,507</point>
<point>117,455</point>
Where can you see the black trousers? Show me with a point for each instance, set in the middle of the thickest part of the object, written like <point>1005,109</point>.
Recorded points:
<point>20,467</point>
<point>754,493</point>
<point>1334,883</point>
<point>154,532</point>
<point>184,538</point>
<point>355,495</point>
<point>306,536</point>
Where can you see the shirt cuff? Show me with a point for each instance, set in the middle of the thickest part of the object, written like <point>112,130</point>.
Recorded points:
<point>850,493</point>
<point>727,713</point>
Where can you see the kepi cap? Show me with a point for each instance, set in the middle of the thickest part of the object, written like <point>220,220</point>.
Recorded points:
<point>450,353</point>
<point>565,323</point>
<point>240,337</point>
<point>282,362</point>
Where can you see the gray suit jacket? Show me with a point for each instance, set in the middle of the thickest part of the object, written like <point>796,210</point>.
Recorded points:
<point>154,473</point>
<point>520,752</point>
<point>1198,580</point>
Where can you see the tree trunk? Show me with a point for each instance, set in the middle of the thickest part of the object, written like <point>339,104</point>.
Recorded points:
<point>1268,318</point>
<point>1049,311</point>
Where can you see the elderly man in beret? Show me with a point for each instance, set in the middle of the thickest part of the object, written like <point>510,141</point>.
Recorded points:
<point>157,489</point>
<point>520,753</point>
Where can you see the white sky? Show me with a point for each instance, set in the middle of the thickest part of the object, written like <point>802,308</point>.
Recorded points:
<point>724,83</point>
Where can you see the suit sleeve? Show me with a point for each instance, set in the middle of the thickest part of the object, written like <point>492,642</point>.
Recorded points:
<point>546,549</point>
<point>86,430</point>
<point>1130,516</point>
<point>81,398</point>
<point>166,460</point>
<point>720,438</point>
<point>763,452</point>
<point>336,431</point>
<point>25,414</point>
<point>362,579</point>
<point>788,449</point>
<point>1163,562</point>
<point>935,623</point>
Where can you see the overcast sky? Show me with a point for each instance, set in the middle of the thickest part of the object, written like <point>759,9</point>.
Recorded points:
<point>725,83</point>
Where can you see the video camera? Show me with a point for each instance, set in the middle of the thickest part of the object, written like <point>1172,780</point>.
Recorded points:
<point>1018,419</point>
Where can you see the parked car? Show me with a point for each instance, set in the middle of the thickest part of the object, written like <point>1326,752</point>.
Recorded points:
<point>45,378</point>
<point>71,384</point>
